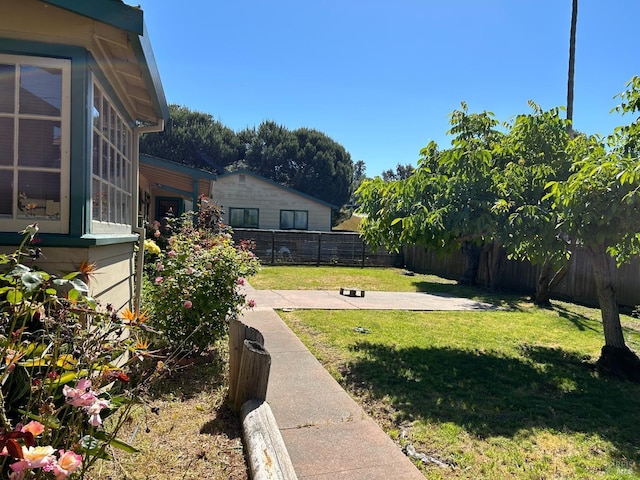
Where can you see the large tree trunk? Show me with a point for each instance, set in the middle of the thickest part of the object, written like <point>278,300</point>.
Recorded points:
<point>548,279</point>
<point>471,257</point>
<point>494,265</point>
<point>615,358</point>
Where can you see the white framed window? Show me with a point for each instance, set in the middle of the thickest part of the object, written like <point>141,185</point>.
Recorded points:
<point>35,102</point>
<point>111,177</point>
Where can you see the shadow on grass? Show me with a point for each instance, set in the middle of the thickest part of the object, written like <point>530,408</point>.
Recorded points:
<point>498,299</point>
<point>579,321</point>
<point>490,395</point>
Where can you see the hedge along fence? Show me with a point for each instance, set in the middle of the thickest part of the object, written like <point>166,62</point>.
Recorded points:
<point>578,285</point>
<point>315,248</point>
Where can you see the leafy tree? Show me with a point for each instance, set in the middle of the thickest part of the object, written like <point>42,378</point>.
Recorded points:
<point>304,159</point>
<point>538,144</point>
<point>448,201</point>
<point>195,139</point>
<point>599,206</point>
<point>402,172</point>
<point>270,151</point>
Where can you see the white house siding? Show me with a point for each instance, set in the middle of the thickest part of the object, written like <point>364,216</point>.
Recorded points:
<point>230,191</point>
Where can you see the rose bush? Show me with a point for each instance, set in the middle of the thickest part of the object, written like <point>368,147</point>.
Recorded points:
<point>65,364</point>
<point>191,290</point>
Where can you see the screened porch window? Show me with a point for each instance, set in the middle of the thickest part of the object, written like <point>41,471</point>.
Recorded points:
<point>34,142</point>
<point>243,217</point>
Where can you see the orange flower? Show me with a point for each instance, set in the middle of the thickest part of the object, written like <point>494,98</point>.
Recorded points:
<point>134,317</point>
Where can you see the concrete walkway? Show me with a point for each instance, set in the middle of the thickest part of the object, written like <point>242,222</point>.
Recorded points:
<point>327,434</point>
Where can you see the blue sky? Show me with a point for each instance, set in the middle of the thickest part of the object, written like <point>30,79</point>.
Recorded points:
<point>381,77</point>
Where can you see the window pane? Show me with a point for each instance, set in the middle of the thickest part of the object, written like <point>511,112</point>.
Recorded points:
<point>96,206</point>
<point>96,154</point>
<point>105,161</point>
<point>286,219</point>
<point>300,219</point>
<point>39,143</point>
<point>236,217</point>
<point>6,140</point>
<point>112,204</point>
<point>251,218</point>
<point>6,193</point>
<point>7,90</point>
<point>40,90</point>
<point>95,112</point>
<point>39,194</point>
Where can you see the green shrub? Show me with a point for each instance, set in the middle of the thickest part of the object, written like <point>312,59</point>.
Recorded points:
<point>191,290</point>
<point>65,366</point>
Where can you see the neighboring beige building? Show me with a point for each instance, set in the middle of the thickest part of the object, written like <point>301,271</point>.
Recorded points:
<point>248,200</point>
<point>78,86</point>
<point>251,201</point>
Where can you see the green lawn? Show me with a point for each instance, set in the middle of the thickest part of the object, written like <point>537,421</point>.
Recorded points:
<point>495,394</point>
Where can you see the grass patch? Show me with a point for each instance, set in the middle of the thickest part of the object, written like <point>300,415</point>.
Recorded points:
<point>495,394</point>
<point>380,279</point>
<point>186,430</point>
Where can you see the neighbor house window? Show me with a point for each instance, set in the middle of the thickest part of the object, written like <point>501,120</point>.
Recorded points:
<point>294,219</point>
<point>34,142</point>
<point>243,217</point>
<point>111,170</point>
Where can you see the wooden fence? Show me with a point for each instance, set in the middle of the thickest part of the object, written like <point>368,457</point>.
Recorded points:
<point>315,248</point>
<point>578,285</point>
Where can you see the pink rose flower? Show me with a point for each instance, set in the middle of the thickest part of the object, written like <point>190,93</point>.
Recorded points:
<point>35,428</point>
<point>252,303</point>
<point>34,457</point>
<point>81,396</point>
<point>240,281</point>
<point>67,463</point>
<point>188,304</point>
<point>94,412</point>
<point>159,280</point>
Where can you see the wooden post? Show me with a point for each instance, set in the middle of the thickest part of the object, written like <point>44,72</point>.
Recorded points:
<point>238,333</point>
<point>267,454</point>
<point>253,376</point>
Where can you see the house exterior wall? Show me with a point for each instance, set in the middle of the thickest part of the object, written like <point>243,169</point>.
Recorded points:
<point>113,281</point>
<point>102,50</point>
<point>248,191</point>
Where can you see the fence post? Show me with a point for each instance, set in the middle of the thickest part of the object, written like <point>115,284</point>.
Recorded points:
<point>253,377</point>
<point>267,454</point>
<point>273,247</point>
<point>238,333</point>
<point>319,249</point>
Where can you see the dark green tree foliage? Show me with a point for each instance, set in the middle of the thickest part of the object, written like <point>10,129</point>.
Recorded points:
<point>194,139</point>
<point>401,172</point>
<point>304,159</point>
<point>270,151</point>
